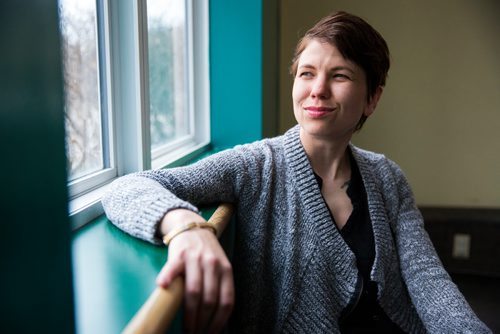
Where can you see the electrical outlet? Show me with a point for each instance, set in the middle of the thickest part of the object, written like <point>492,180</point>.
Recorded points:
<point>461,246</point>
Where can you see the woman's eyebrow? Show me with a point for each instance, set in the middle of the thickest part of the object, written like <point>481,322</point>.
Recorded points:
<point>333,69</point>
<point>342,68</point>
<point>309,66</point>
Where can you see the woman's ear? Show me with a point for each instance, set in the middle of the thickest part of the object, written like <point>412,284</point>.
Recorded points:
<point>372,103</point>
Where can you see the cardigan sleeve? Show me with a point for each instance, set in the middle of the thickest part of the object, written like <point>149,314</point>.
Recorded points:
<point>438,301</point>
<point>137,202</point>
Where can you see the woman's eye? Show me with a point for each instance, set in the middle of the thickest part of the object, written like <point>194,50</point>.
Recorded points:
<point>340,76</point>
<point>305,74</point>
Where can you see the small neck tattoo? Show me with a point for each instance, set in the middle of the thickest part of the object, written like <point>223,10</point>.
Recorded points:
<point>346,184</point>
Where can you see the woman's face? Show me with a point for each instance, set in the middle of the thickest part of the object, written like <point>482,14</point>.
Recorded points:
<point>329,93</point>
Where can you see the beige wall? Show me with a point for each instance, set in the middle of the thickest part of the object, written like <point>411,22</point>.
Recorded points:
<point>439,117</point>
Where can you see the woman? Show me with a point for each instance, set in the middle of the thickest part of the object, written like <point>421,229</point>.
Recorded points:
<point>328,236</point>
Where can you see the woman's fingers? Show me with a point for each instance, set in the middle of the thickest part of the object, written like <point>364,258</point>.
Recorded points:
<point>211,282</point>
<point>226,300</point>
<point>209,286</point>
<point>193,292</point>
<point>170,270</point>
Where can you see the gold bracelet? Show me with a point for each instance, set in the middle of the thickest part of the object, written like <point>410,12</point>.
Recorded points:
<point>172,234</point>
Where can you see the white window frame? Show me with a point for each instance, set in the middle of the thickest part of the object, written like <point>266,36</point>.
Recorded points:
<point>127,103</point>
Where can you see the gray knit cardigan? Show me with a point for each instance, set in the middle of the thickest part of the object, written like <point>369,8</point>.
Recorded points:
<point>293,271</point>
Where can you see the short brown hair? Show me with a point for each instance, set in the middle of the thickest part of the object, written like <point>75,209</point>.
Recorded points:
<point>357,41</point>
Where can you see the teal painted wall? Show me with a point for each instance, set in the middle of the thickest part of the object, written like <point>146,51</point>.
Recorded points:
<point>36,293</point>
<point>235,71</point>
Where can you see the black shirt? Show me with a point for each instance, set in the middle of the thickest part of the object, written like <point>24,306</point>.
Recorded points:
<point>364,314</point>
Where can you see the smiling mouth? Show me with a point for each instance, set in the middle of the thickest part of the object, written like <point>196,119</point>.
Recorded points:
<point>319,109</point>
<point>318,112</point>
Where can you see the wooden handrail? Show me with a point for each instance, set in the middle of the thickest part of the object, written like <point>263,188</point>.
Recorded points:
<point>156,314</point>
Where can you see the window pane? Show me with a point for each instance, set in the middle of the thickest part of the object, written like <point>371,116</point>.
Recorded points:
<point>81,81</point>
<point>168,93</point>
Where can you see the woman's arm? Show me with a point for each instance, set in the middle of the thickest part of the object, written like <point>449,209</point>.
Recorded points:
<point>136,203</point>
<point>150,204</point>
<point>439,303</point>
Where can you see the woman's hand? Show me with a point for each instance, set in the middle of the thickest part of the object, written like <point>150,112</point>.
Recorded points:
<point>209,286</point>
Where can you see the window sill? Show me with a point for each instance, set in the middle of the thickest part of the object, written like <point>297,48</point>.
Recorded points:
<point>87,207</point>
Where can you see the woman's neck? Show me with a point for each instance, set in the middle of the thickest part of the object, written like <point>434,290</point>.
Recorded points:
<point>329,159</point>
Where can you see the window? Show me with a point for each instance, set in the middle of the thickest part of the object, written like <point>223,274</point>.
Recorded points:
<point>168,82</point>
<point>136,89</point>
<point>82,95</point>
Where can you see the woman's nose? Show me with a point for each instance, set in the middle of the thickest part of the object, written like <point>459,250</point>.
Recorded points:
<point>320,88</point>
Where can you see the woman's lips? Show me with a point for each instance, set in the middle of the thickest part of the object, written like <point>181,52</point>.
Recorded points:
<point>318,112</point>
